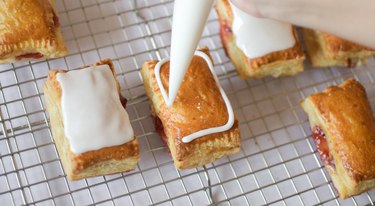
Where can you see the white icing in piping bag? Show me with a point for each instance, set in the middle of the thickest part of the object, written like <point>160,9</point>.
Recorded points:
<point>189,19</point>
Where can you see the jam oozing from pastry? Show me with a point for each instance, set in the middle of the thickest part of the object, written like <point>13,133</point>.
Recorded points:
<point>123,101</point>
<point>160,130</point>
<point>322,147</point>
<point>56,21</point>
<point>29,56</point>
<point>349,63</point>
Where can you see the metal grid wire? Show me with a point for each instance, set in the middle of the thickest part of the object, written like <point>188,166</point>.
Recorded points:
<point>277,165</point>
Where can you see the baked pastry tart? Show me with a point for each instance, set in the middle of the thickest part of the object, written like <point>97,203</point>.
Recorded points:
<point>258,47</point>
<point>344,132</point>
<point>200,126</point>
<point>89,123</point>
<point>29,30</point>
<point>325,50</point>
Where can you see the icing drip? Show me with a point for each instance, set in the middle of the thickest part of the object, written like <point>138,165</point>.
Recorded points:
<point>207,131</point>
<point>257,37</point>
<point>93,115</point>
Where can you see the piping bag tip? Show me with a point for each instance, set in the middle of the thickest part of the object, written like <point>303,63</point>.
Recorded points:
<point>169,102</point>
<point>176,76</point>
<point>189,19</point>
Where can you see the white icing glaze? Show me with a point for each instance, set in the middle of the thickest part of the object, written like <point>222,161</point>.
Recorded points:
<point>257,37</point>
<point>207,131</point>
<point>189,19</point>
<point>92,113</point>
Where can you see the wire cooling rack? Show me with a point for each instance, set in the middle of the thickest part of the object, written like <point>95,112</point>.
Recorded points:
<point>277,165</point>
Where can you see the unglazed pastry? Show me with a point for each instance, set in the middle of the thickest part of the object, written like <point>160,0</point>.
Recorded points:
<point>199,105</point>
<point>89,123</point>
<point>344,132</point>
<point>258,47</point>
<point>29,30</point>
<point>325,50</point>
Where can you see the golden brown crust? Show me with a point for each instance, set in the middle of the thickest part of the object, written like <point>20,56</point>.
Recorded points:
<point>325,50</point>
<point>29,27</point>
<point>281,63</point>
<point>345,115</point>
<point>348,116</point>
<point>198,106</point>
<point>93,163</point>
<point>336,44</point>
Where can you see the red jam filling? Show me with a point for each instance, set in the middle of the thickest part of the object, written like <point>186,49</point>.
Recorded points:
<point>30,56</point>
<point>322,147</point>
<point>160,130</point>
<point>38,55</point>
<point>351,63</point>
<point>123,101</point>
<point>56,21</point>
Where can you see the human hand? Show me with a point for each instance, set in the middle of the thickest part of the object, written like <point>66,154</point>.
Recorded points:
<point>249,6</point>
<point>348,19</point>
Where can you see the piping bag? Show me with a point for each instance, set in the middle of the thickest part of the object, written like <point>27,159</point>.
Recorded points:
<point>189,20</point>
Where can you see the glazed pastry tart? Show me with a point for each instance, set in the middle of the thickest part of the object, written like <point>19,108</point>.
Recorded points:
<point>89,123</point>
<point>200,126</point>
<point>258,47</point>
